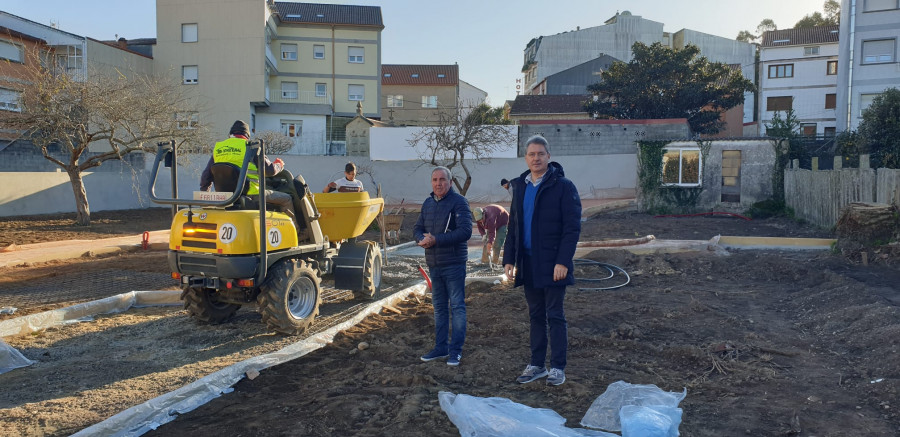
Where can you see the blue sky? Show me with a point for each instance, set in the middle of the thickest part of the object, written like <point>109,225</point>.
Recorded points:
<point>486,37</point>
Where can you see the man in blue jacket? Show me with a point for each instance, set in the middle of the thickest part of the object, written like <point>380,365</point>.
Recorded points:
<point>443,229</point>
<point>544,226</point>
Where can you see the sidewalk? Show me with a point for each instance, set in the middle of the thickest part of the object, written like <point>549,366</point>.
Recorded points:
<point>159,240</point>
<point>57,250</point>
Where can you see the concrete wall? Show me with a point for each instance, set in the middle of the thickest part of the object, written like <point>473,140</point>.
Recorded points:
<point>608,176</point>
<point>599,137</point>
<point>390,144</point>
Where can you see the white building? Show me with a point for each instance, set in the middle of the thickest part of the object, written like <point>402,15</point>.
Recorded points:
<point>798,70</point>
<point>868,50</point>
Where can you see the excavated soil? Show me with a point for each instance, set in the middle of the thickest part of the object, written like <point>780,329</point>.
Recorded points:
<point>766,343</point>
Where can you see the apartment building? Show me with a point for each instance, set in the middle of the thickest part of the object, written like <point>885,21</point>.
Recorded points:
<point>870,30</point>
<point>298,68</point>
<point>798,70</point>
<point>25,44</point>
<point>547,55</point>
<point>419,95</point>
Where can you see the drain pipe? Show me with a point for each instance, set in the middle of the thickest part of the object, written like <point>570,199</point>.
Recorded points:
<point>852,41</point>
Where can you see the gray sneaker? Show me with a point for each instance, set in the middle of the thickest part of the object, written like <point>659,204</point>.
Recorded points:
<point>531,373</point>
<point>557,377</point>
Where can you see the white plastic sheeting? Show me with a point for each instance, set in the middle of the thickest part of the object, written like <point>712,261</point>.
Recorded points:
<point>606,411</point>
<point>11,359</point>
<point>501,417</point>
<point>82,311</point>
<point>142,418</point>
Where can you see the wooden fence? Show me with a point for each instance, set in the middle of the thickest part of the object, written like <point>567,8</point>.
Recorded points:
<point>818,196</point>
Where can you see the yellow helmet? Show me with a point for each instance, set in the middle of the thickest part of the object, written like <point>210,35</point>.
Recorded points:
<point>477,213</point>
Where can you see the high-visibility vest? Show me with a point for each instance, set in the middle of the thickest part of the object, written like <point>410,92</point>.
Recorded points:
<point>232,151</point>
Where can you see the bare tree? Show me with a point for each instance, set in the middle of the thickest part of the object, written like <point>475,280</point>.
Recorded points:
<point>457,141</point>
<point>277,143</point>
<point>80,122</point>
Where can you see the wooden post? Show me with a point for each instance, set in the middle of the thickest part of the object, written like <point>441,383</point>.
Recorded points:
<point>815,163</point>
<point>838,162</point>
<point>795,164</point>
<point>864,161</point>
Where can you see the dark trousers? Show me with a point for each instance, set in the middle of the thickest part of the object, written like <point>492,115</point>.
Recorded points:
<point>545,309</point>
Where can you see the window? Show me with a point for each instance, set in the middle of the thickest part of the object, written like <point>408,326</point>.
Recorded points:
<point>318,51</point>
<point>786,70</point>
<point>681,167</point>
<point>12,52</point>
<point>387,74</point>
<point>70,62</point>
<point>395,101</point>
<point>429,101</point>
<point>830,132</point>
<point>189,74</point>
<point>9,100</point>
<point>189,32</point>
<point>865,100</point>
<point>292,128</point>
<point>289,52</point>
<point>808,129</point>
<point>778,103</point>
<point>321,90</point>
<point>289,90</point>
<point>356,92</point>
<point>356,55</point>
<point>441,75</point>
<point>831,69</point>
<point>414,75</point>
<point>878,51</point>
<point>880,5</point>
<point>809,51</point>
<point>830,101</point>
<point>187,120</point>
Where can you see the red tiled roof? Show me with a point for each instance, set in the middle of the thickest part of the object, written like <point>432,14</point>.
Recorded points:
<point>549,104</point>
<point>317,13</point>
<point>801,36</point>
<point>406,74</point>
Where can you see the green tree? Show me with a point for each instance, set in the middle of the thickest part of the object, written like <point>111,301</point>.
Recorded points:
<point>765,25</point>
<point>456,141</point>
<point>661,82</point>
<point>785,134</point>
<point>746,36</point>
<point>880,127</point>
<point>79,123</point>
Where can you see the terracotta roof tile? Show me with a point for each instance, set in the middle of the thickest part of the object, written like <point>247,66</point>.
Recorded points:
<point>407,74</point>
<point>317,13</point>
<point>801,36</point>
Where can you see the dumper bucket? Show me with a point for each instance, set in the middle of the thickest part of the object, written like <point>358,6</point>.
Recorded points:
<point>346,215</point>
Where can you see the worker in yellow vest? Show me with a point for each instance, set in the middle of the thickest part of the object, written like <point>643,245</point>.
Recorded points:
<point>232,151</point>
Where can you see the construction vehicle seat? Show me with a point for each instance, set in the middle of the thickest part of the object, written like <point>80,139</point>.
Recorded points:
<point>225,176</point>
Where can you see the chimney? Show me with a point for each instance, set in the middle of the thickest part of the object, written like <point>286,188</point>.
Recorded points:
<point>122,43</point>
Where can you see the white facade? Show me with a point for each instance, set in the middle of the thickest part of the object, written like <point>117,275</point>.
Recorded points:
<point>799,74</point>
<point>870,36</point>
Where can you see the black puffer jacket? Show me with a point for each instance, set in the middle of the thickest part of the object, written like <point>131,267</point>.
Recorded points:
<point>450,221</point>
<point>556,226</point>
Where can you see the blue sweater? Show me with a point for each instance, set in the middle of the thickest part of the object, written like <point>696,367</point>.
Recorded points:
<point>450,221</point>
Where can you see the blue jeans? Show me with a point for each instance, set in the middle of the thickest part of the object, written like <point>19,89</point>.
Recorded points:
<point>448,288</point>
<point>545,307</point>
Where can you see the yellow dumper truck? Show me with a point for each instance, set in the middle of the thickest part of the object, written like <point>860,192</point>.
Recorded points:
<point>227,256</point>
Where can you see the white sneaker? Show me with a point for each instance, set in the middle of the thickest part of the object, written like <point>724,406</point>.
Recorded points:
<point>557,377</point>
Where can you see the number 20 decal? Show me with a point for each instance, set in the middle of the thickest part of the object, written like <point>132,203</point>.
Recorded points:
<point>274,237</point>
<point>227,233</point>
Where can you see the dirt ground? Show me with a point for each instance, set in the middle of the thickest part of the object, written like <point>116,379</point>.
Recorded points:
<point>767,343</point>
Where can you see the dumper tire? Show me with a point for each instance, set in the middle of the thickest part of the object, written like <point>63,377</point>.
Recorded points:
<point>289,298</point>
<point>201,303</point>
<point>372,268</point>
